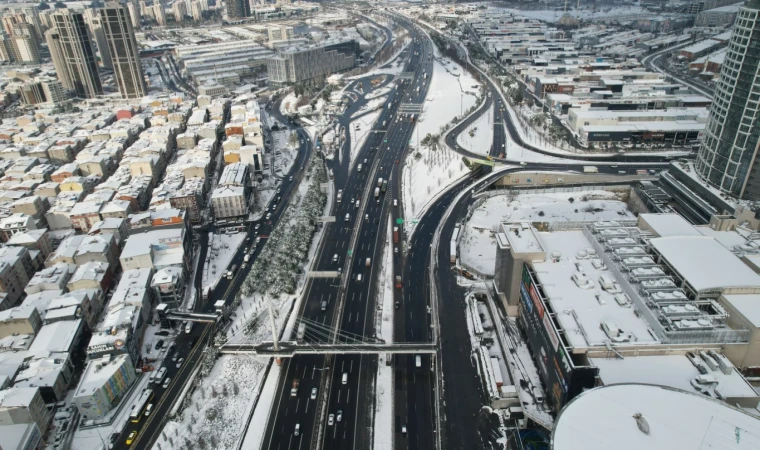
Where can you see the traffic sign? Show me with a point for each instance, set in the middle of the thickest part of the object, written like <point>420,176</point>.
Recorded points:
<point>415,221</point>
<point>350,252</point>
<point>399,220</point>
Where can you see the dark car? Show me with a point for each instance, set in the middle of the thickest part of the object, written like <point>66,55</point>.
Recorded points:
<point>159,344</point>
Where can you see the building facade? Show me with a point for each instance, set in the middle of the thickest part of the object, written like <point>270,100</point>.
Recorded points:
<point>125,55</point>
<point>727,158</point>
<point>294,65</point>
<point>77,55</point>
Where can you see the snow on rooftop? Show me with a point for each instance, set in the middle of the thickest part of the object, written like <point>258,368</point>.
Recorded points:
<point>747,305</point>
<point>675,371</point>
<point>522,238</point>
<point>704,263</point>
<point>573,289</point>
<point>664,225</point>
<point>603,418</point>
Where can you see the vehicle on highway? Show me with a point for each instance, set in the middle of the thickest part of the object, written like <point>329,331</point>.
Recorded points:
<point>359,168</point>
<point>258,239</point>
<point>345,378</point>
<point>175,357</point>
<point>339,416</point>
<point>297,431</point>
<point>417,361</point>
<point>330,419</point>
<point>323,307</point>
<point>359,278</point>
<point>358,202</point>
<point>340,195</point>
<point>290,178</point>
<point>161,375</point>
<point>397,305</point>
<point>269,216</point>
<point>348,216</point>
<point>148,409</point>
<point>131,437</point>
<point>179,363</point>
<point>294,387</point>
<point>166,382</point>
<point>395,202</point>
<point>246,258</point>
<point>313,393</point>
<point>335,258</point>
<point>403,429</point>
<point>258,225</point>
<point>377,195</point>
<point>138,409</point>
<point>366,217</point>
<point>368,262</point>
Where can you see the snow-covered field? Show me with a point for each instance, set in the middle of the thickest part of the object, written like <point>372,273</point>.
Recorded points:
<point>359,136</point>
<point>283,154</point>
<point>477,244</point>
<point>482,134</point>
<point>222,248</point>
<point>428,171</point>
<point>216,412</point>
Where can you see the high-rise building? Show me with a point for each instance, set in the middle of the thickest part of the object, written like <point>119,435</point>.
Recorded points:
<point>92,17</point>
<point>728,158</point>
<point>77,57</point>
<point>197,10</point>
<point>280,33</point>
<point>238,9</point>
<point>6,50</point>
<point>46,91</point>
<point>24,44</point>
<point>159,13</point>
<point>179,9</point>
<point>134,14</point>
<point>124,52</point>
<point>53,40</point>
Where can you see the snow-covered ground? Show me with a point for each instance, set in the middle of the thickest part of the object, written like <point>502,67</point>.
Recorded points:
<point>216,413</point>
<point>378,93</point>
<point>482,134</point>
<point>477,244</point>
<point>283,154</point>
<point>383,429</point>
<point>370,106</point>
<point>222,248</point>
<point>288,104</point>
<point>427,171</point>
<point>359,136</point>
<point>583,13</point>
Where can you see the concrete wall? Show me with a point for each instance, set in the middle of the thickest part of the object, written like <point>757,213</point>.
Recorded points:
<point>529,178</point>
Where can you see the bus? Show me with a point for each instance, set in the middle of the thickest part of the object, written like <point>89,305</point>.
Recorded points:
<point>139,408</point>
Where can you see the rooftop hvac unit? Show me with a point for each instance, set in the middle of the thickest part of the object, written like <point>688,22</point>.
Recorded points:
<point>623,300</point>
<point>623,252</point>
<point>681,311</point>
<point>725,366</point>
<point>613,233</point>
<point>598,264</point>
<point>658,283</point>
<point>614,332</point>
<point>711,363</point>
<point>669,296</point>
<point>697,363</point>
<point>690,324</point>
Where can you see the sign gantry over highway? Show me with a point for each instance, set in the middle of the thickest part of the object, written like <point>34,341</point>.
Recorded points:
<point>323,274</point>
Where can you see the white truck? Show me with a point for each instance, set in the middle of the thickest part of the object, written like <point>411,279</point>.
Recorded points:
<point>590,169</point>
<point>377,194</point>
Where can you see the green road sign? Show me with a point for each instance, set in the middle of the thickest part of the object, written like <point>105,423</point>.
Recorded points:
<point>350,252</point>
<point>399,221</point>
<point>385,140</point>
<point>415,221</point>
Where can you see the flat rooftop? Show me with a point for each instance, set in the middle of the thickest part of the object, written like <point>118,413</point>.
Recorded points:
<point>663,225</point>
<point>704,263</point>
<point>522,238</point>
<point>580,311</point>
<point>603,419</point>
<point>674,371</point>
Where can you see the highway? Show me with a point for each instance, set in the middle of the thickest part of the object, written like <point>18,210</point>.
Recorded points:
<point>190,346</point>
<point>357,235</point>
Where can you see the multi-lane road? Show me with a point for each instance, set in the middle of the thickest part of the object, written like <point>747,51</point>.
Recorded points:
<point>354,245</point>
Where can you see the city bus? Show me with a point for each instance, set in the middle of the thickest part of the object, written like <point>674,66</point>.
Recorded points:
<point>139,408</point>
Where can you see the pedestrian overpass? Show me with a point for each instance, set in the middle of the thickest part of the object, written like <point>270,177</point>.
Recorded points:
<point>289,349</point>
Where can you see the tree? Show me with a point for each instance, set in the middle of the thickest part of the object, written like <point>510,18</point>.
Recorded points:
<point>43,6</point>
<point>293,140</point>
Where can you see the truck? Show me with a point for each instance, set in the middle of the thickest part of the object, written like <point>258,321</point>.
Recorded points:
<point>380,182</point>
<point>340,195</point>
<point>590,169</point>
<point>377,194</point>
<point>453,245</point>
<point>642,172</point>
<point>385,185</point>
<point>359,168</point>
<point>368,262</point>
<point>395,235</point>
<point>294,389</point>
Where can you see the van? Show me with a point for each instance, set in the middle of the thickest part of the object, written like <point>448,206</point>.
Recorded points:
<point>417,361</point>
<point>348,216</point>
<point>345,378</point>
<point>160,376</point>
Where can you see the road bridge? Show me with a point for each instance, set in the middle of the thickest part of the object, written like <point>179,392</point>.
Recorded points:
<point>289,349</point>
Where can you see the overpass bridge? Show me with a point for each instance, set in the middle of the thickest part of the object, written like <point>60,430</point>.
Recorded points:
<point>290,348</point>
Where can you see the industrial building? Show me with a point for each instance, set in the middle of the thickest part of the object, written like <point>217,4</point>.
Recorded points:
<point>314,62</point>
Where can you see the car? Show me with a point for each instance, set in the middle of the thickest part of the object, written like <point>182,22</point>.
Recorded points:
<point>279,190</point>
<point>339,416</point>
<point>166,383</point>
<point>246,250</point>
<point>258,239</point>
<point>398,305</point>
<point>148,409</point>
<point>278,198</point>
<point>313,393</point>
<point>274,206</point>
<point>290,178</point>
<point>297,431</point>
<point>395,202</point>
<point>159,344</point>
<point>395,249</point>
<point>175,357</point>
<point>179,363</point>
<point>258,225</point>
<point>403,429</point>
<point>330,419</point>
<point>269,216</point>
<point>131,437</point>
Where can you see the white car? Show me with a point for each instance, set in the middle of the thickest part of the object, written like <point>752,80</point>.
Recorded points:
<point>179,363</point>
<point>313,393</point>
<point>330,419</point>
<point>166,383</point>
